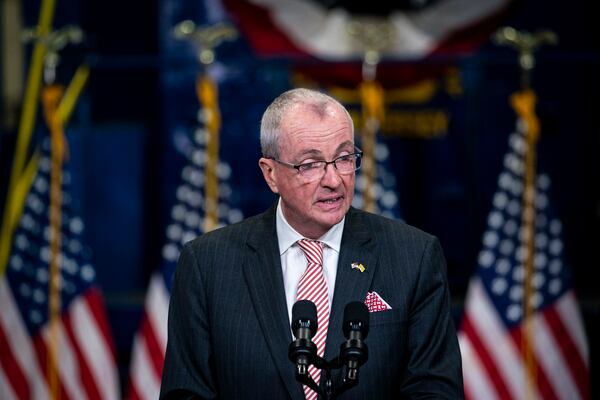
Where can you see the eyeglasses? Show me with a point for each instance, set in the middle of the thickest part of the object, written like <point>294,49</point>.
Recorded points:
<point>344,165</point>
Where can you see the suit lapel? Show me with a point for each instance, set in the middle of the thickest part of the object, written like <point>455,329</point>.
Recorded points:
<point>262,270</point>
<point>350,285</point>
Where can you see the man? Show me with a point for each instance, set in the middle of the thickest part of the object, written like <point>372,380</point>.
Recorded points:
<point>234,288</point>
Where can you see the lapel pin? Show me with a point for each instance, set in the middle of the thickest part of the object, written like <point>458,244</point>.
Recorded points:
<point>358,266</point>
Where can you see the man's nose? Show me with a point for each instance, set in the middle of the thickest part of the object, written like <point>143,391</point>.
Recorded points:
<point>331,177</point>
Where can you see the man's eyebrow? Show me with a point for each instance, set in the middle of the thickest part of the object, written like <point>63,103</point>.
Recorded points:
<point>345,146</point>
<point>317,153</point>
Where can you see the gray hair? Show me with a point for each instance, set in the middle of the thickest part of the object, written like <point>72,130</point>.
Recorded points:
<point>271,120</point>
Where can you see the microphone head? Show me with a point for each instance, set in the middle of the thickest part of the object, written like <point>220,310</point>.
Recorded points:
<point>356,318</point>
<point>304,315</point>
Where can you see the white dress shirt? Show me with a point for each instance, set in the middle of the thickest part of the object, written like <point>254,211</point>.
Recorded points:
<point>293,260</point>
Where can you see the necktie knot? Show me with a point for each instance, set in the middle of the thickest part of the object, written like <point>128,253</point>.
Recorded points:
<point>313,250</point>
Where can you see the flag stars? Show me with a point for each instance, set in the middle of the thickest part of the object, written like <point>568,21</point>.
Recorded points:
<point>28,222</point>
<point>234,216</point>
<point>541,201</point>
<point>505,181</point>
<point>39,296</point>
<point>514,208</point>
<point>389,199</point>
<point>519,273</point>
<point>200,136</point>
<point>517,143</point>
<point>75,246</point>
<point>68,265</point>
<point>225,191</point>
<point>87,273</point>
<point>192,220</point>
<point>194,199</point>
<point>24,290</point>
<point>34,203</point>
<point>68,287</point>
<point>486,258</point>
<point>16,262</point>
<point>170,252</point>
<point>541,221</point>
<point>174,232</point>
<point>511,227</point>
<point>516,293</point>
<point>42,275</point>
<point>516,188</point>
<point>490,239</point>
<point>538,280</point>
<point>41,185</point>
<point>500,200</point>
<point>495,219</point>
<point>555,286</point>
<point>556,247</point>
<point>540,260</point>
<point>536,300</point>
<point>555,227</point>
<point>178,212</point>
<point>35,317</point>
<point>21,242</point>
<point>541,241</point>
<point>543,182</point>
<point>513,312</point>
<point>381,152</point>
<point>45,165</point>
<point>555,267</point>
<point>506,247</point>
<point>76,226</point>
<point>199,157</point>
<point>187,236</point>
<point>502,266</point>
<point>223,171</point>
<point>499,286</point>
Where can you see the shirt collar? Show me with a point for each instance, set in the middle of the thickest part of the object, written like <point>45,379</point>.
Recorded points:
<point>288,236</point>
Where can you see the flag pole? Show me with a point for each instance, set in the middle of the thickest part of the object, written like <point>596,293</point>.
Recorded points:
<point>373,35</point>
<point>207,39</point>
<point>523,102</point>
<point>57,108</point>
<point>26,124</point>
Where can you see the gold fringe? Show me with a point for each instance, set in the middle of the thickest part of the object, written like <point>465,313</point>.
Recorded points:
<point>372,97</point>
<point>524,105</point>
<point>207,93</point>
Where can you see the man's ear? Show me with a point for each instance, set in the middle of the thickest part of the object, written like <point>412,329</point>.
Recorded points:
<point>267,167</point>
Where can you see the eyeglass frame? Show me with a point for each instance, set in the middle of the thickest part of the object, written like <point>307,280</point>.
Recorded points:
<point>358,153</point>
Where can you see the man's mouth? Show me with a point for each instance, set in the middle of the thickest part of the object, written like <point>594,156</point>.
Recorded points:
<point>331,200</point>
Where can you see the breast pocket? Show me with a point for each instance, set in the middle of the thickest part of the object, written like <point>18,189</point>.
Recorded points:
<point>386,330</point>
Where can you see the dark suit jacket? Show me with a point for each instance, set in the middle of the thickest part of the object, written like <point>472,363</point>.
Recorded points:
<point>229,329</point>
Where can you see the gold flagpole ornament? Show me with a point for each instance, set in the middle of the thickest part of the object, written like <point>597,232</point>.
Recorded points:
<point>523,102</point>
<point>526,44</point>
<point>207,39</point>
<point>373,35</point>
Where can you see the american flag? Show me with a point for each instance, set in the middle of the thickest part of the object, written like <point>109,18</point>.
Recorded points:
<point>86,354</point>
<point>187,216</point>
<point>492,331</point>
<point>384,188</point>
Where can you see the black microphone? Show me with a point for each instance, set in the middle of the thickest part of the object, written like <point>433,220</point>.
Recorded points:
<point>303,351</point>
<point>354,352</point>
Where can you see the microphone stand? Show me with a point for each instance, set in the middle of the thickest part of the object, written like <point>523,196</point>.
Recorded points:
<point>349,380</point>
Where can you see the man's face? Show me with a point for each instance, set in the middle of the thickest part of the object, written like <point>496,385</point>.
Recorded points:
<point>312,207</point>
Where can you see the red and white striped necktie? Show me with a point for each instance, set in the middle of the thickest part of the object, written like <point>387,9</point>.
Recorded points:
<point>313,287</point>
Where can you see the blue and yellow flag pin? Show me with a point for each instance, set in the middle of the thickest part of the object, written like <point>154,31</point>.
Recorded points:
<point>358,266</point>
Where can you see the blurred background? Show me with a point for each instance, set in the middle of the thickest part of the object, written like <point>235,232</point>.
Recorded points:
<point>429,89</point>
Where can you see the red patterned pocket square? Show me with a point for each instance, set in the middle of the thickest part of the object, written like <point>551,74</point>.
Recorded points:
<point>375,303</point>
